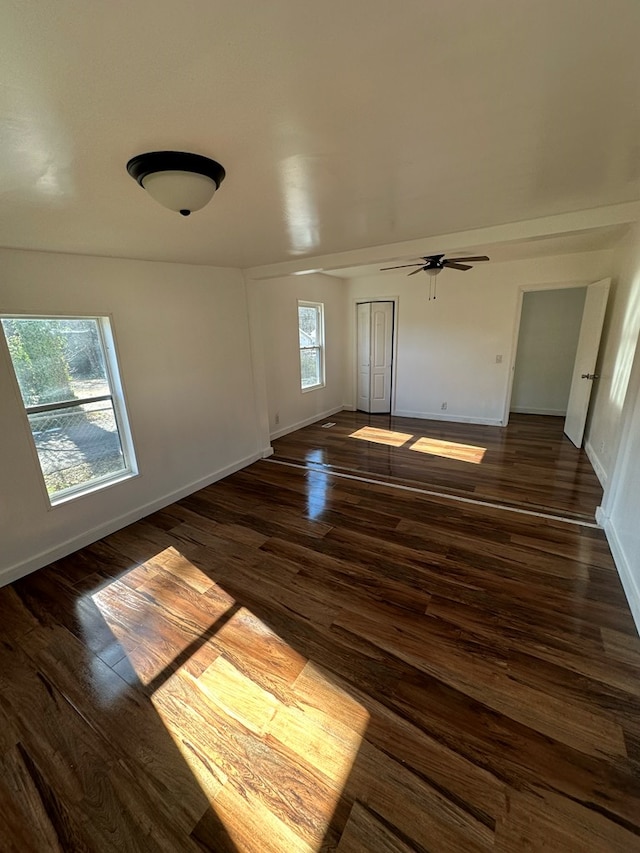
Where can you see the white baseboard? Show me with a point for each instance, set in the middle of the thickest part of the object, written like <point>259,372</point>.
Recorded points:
<point>25,567</point>
<point>596,464</point>
<point>306,422</point>
<point>445,416</point>
<point>630,583</point>
<point>526,410</point>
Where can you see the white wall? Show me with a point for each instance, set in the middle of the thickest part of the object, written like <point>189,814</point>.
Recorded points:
<point>614,430</point>
<point>276,302</point>
<point>447,349</point>
<point>547,343</point>
<point>619,341</point>
<point>182,337</point>
<point>622,504</point>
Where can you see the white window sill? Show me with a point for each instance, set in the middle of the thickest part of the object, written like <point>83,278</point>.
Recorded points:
<point>95,486</point>
<point>313,388</point>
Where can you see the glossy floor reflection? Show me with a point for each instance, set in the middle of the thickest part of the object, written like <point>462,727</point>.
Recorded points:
<point>529,464</point>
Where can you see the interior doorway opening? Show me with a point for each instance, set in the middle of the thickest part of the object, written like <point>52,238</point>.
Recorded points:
<point>547,345</point>
<point>558,335</point>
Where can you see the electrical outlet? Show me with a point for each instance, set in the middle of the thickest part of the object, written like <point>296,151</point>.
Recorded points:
<point>277,418</point>
<point>498,359</point>
<point>443,407</point>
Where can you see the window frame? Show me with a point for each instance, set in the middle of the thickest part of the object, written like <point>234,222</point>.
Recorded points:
<point>319,346</point>
<point>116,397</point>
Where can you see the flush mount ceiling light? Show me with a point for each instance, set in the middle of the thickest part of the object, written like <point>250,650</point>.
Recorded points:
<point>180,181</point>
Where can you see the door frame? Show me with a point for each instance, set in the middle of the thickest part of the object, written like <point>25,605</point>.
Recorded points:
<point>359,300</point>
<point>527,288</point>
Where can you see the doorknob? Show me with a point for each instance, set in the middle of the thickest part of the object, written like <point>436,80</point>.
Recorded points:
<point>589,375</point>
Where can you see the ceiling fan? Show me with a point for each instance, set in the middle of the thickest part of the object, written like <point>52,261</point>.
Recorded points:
<point>434,264</point>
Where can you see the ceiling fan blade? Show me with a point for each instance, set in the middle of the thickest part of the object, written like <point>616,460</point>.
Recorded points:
<point>402,266</point>
<point>415,271</point>
<point>475,259</point>
<point>454,266</point>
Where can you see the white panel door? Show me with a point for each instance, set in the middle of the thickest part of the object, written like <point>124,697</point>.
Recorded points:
<point>364,356</point>
<point>381,355</point>
<point>375,356</point>
<point>585,364</point>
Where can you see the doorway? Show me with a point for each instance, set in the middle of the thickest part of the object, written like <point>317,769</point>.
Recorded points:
<point>375,323</point>
<point>557,342</point>
<point>547,345</point>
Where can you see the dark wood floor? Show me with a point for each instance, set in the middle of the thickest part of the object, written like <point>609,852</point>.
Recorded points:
<point>288,661</point>
<point>528,464</point>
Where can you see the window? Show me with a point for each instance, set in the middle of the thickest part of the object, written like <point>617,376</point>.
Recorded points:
<point>69,383</point>
<point>311,339</point>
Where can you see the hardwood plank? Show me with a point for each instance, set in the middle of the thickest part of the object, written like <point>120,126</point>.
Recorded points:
<point>622,647</point>
<point>259,773</point>
<point>34,819</point>
<point>238,696</point>
<point>465,782</point>
<point>125,717</point>
<point>320,726</point>
<point>553,824</point>
<point>365,832</point>
<point>423,814</point>
<point>16,620</point>
<point>260,830</point>
<point>481,674</point>
<point>90,797</point>
<point>524,758</point>
<point>8,734</point>
<point>545,638</point>
<point>259,653</point>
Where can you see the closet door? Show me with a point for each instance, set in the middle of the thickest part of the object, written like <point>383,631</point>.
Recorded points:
<point>375,355</point>
<point>364,356</point>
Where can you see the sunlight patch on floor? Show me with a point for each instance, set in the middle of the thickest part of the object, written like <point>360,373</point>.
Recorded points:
<point>382,436</point>
<point>450,450</point>
<point>261,728</point>
<point>142,610</point>
<point>259,745</point>
<point>261,752</point>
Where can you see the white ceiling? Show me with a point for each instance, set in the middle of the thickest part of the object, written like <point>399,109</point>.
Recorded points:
<point>341,124</point>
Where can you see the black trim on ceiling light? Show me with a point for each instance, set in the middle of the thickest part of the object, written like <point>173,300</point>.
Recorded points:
<point>179,161</point>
